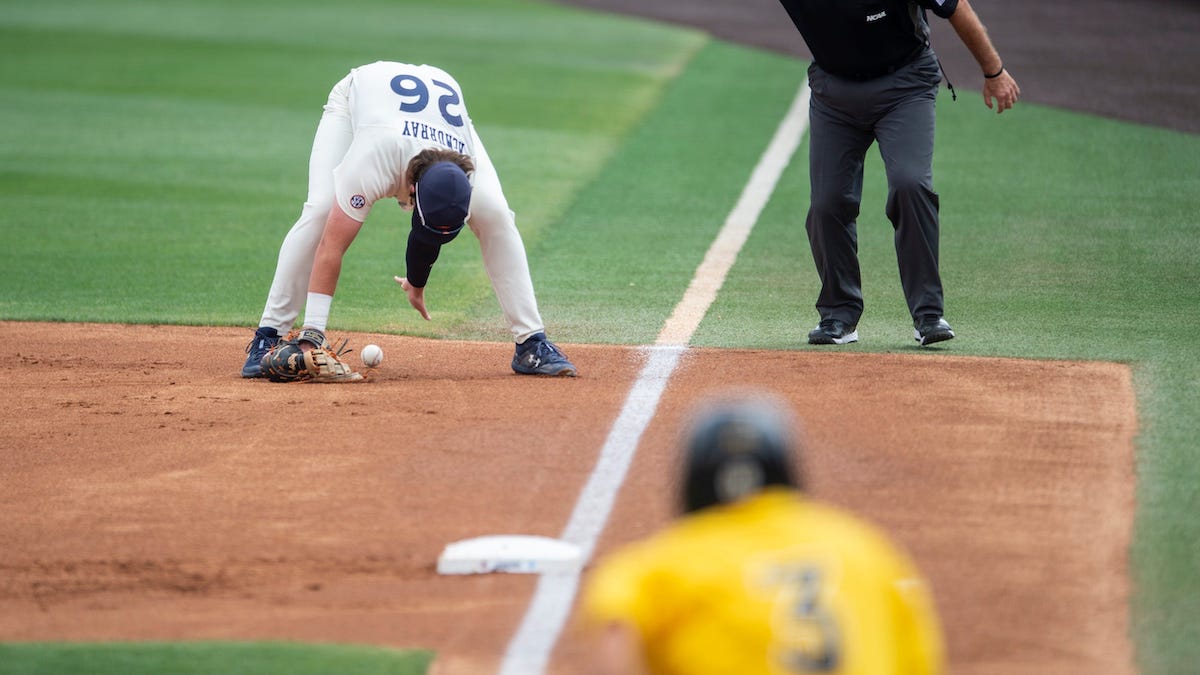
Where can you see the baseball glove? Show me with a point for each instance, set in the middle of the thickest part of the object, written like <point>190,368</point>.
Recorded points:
<point>288,362</point>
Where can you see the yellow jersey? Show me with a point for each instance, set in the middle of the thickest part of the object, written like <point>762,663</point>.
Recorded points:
<point>775,584</point>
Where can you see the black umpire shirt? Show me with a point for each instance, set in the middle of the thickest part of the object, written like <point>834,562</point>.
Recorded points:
<point>865,39</point>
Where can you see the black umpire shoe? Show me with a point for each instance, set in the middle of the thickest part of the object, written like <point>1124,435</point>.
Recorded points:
<point>833,332</point>
<point>931,328</point>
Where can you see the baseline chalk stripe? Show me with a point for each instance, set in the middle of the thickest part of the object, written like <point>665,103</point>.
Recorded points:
<point>530,648</point>
<point>529,651</point>
<point>710,276</point>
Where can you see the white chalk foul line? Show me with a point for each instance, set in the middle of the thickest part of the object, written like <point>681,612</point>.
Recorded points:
<point>529,651</point>
<point>710,275</point>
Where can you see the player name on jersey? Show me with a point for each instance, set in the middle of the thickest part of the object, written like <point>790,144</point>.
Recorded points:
<point>415,129</point>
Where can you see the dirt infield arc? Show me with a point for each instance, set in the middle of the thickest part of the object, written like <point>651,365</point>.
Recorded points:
<point>163,497</point>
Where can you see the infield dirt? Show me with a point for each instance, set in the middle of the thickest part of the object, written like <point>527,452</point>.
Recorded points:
<point>152,494</point>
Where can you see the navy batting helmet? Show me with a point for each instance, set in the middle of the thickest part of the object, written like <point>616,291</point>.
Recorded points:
<point>736,446</point>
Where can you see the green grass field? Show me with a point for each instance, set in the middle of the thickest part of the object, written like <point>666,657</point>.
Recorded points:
<point>153,154</point>
<point>205,658</point>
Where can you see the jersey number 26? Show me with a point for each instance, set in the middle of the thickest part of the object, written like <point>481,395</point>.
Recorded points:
<point>415,93</point>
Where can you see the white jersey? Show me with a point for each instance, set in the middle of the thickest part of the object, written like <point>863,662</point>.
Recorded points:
<point>396,111</point>
<point>376,119</point>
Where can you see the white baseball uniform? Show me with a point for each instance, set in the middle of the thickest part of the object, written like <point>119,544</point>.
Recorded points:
<point>376,120</point>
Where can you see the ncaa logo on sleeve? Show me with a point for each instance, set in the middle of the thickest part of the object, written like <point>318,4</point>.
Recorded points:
<point>358,201</point>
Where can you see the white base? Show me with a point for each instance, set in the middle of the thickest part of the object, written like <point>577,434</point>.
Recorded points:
<point>510,553</point>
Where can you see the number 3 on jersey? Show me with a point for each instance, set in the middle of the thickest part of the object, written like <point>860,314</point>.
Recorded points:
<point>414,94</point>
<point>806,635</point>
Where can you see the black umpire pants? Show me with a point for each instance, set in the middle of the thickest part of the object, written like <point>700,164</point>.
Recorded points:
<point>845,117</point>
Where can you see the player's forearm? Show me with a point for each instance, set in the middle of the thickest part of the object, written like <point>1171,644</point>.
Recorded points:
<point>419,256</point>
<point>327,267</point>
<point>340,231</point>
<point>974,35</point>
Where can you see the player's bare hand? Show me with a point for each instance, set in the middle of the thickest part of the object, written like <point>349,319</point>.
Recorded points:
<point>1004,89</point>
<point>416,296</point>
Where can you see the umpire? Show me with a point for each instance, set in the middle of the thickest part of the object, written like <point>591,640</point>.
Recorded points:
<point>874,77</point>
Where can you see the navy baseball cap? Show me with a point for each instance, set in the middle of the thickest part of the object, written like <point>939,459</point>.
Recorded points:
<point>443,201</point>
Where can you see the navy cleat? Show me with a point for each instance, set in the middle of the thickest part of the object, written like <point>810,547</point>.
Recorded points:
<point>539,356</point>
<point>264,340</point>
<point>931,328</point>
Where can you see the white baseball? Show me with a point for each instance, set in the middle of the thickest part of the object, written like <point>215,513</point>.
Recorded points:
<point>371,355</point>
